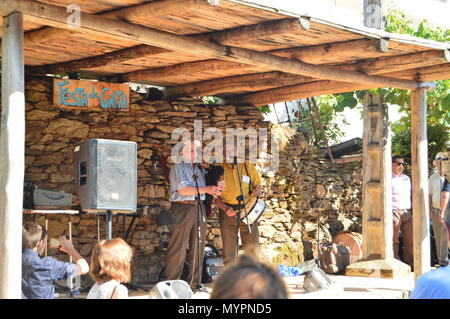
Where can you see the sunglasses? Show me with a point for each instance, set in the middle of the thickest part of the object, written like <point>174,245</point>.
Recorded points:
<point>400,164</point>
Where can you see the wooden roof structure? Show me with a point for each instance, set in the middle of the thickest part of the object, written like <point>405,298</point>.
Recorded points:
<point>240,51</point>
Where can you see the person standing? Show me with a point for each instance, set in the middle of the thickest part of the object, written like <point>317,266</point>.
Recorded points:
<point>228,205</point>
<point>435,189</point>
<point>188,228</point>
<point>401,210</point>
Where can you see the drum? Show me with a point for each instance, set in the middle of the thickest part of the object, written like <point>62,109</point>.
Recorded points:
<point>255,209</point>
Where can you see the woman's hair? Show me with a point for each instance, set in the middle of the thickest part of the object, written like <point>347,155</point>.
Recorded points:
<point>32,233</point>
<point>249,279</point>
<point>111,259</point>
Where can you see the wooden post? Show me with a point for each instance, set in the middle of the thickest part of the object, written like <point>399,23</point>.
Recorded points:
<point>378,256</point>
<point>12,149</point>
<point>419,158</point>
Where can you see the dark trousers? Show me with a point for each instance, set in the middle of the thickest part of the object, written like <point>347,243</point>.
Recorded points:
<point>183,241</point>
<point>402,220</point>
<point>229,232</point>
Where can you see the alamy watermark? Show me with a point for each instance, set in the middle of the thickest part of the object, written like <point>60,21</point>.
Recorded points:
<point>74,19</point>
<point>215,147</point>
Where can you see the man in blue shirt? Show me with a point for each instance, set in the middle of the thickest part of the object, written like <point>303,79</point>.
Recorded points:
<point>39,274</point>
<point>188,227</point>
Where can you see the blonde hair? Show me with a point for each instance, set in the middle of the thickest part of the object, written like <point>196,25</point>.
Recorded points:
<point>111,259</point>
<point>32,233</point>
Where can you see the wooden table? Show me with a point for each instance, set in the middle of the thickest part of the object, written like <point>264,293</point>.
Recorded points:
<point>47,212</point>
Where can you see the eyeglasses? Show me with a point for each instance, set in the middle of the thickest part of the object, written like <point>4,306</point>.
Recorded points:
<point>400,164</point>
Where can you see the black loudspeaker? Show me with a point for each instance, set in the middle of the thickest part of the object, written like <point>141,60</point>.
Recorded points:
<point>106,175</point>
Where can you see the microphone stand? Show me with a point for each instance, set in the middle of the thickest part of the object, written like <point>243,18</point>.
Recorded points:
<point>241,203</point>
<point>199,218</point>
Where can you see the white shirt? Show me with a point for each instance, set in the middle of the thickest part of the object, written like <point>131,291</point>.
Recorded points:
<point>401,192</point>
<point>435,184</point>
<point>102,291</point>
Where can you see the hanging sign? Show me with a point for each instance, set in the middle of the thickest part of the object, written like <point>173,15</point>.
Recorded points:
<point>90,95</point>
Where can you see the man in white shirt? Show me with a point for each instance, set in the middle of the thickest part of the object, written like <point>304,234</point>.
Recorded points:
<point>435,187</point>
<point>401,210</point>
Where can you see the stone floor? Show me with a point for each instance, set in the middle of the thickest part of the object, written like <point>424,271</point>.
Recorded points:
<point>344,287</point>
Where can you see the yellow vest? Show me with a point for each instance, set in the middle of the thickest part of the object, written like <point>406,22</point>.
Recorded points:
<point>232,189</point>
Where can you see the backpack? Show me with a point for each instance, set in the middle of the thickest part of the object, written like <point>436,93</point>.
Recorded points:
<point>334,258</point>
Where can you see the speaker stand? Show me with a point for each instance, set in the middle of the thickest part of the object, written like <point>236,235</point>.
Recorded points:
<point>109,218</point>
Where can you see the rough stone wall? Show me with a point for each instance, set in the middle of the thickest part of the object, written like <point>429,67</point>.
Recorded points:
<point>305,181</point>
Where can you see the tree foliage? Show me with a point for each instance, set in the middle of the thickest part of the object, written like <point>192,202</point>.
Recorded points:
<point>438,100</point>
<point>328,115</point>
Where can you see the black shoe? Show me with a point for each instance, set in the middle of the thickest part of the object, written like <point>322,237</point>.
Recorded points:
<point>443,264</point>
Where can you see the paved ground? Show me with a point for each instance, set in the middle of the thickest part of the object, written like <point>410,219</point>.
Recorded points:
<point>345,287</point>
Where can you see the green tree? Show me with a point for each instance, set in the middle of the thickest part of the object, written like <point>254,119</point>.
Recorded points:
<point>328,115</point>
<point>438,100</point>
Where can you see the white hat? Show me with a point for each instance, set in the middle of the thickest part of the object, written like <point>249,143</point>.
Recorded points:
<point>439,156</point>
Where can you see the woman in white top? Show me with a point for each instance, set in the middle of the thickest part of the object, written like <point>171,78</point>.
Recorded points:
<point>110,266</point>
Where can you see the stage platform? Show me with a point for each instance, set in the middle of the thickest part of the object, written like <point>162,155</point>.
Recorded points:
<point>346,287</point>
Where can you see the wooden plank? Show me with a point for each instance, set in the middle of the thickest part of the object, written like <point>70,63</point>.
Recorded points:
<point>244,34</point>
<point>419,161</point>
<point>402,62</point>
<point>182,68</point>
<point>92,95</point>
<point>295,92</point>
<point>132,13</point>
<point>334,52</point>
<point>313,54</point>
<point>235,84</point>
<point>250,82</point>
<point>51,211</point>
<point>92,24</point>
<point>431,73</point>
<point>158,9</point>
<point>12,163</point>
<point>100,60</point>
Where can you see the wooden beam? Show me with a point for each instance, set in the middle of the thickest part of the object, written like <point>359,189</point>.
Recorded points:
<point>242,83</point>
<point>431,73</point>
<point>419,163</point>
<point>12,163</point>
<point>132,14</point>
<point>312,54</point>
<point>92,24</point>
<point>141,12</point>
<point>182,68</point>
<point>240,35</point>
<point>336,52</point>
<point>234,84</point>
<point>402,62</point>
<point>99,60</point>
<point>295,92</point>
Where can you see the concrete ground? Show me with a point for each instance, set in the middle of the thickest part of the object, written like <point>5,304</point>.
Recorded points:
<point>344,287</point>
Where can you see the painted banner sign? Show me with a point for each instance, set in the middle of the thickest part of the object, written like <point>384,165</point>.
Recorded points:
<point>79,94</point>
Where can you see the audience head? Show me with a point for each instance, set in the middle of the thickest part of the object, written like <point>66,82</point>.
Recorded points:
<point>249,279</point>
<point>111,259</point>
<point>398,164</point>
<point>33,236</point>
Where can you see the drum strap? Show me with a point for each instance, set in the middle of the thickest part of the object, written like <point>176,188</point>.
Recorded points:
<point>249,176</point>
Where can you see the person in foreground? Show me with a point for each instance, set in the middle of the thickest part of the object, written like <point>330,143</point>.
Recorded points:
<point>435,284</point>
<point>110,266</point>
<point>39,274</point>
<point>249,279</point>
